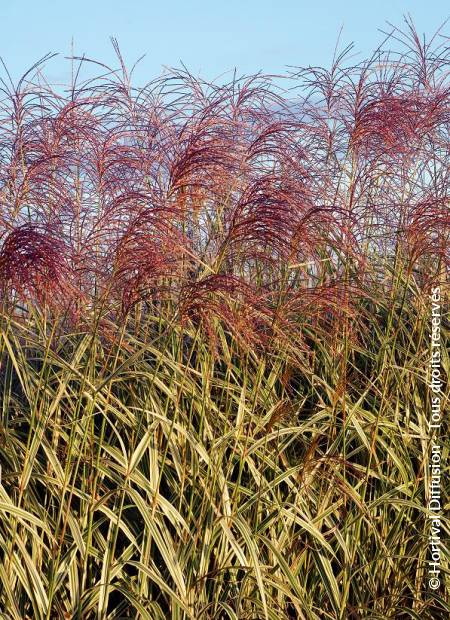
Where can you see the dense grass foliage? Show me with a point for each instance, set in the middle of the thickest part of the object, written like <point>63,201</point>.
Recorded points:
<point>215,341</point>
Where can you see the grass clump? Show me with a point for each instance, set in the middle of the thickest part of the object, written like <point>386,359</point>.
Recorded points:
<point>215,342</point>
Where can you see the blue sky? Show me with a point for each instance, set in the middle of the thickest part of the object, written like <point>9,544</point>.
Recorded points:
<point>210,38</point>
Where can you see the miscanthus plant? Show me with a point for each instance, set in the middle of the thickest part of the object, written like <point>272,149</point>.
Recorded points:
<point>215,341</point>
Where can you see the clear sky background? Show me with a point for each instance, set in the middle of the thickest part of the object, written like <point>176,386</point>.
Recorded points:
<point>210,38</point>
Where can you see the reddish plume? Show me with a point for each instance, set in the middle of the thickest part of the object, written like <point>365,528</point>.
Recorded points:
<point>258,203</point>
